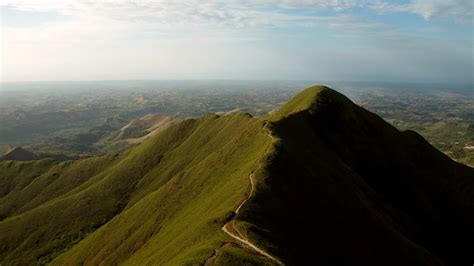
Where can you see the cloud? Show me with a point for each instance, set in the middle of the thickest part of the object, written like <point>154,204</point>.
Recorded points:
<point>92,20</point>
<point>121,38</point>
<point>460,11</point>
<point>235,14</point>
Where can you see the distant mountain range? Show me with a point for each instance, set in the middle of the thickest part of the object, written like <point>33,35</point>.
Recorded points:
<point>321,181</point>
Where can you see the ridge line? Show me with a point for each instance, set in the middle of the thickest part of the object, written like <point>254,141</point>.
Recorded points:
<point>231,223</point>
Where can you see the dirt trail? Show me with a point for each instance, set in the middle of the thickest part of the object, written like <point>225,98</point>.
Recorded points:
<point>230,229</point>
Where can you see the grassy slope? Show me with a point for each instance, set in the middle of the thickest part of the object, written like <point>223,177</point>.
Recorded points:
<point>166,199</point>
<point>347,188</point>
<point>303,101</point>
<point>180,222</point>
<point>17,175</point>
<point>52,179</point>
<point>47,229</point>
<point>329,193</point>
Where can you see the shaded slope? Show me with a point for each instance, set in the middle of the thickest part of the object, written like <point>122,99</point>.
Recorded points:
<point>344,187</point>
<point>19,154</point>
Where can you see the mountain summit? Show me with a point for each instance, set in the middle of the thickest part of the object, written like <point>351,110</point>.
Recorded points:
<point>319,181</point>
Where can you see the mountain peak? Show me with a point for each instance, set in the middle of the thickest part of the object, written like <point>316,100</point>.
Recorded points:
<point>310,99</point>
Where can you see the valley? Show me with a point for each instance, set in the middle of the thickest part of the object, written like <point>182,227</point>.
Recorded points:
<point>52,119</point>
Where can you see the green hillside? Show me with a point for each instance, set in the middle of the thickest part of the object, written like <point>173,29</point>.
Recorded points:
<point>177,188</point>
<point>332,184</point>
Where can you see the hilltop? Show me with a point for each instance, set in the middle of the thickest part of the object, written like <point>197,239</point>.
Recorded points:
<point>19,154</point>
<point>321,181</point>
<point>144,127</point>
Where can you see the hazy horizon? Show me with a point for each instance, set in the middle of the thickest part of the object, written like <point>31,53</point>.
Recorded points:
<point>223,85</point>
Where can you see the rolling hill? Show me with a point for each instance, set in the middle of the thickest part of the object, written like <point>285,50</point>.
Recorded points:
<point>319,181</point>
<point>143,126</point>
<point>19,154</point>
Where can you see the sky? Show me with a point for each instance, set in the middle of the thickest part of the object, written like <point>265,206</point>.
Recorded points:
<point>336,40</point>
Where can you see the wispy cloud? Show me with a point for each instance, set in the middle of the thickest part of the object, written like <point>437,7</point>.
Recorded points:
<point>98,20</point>
<point>238,14</point>
<point>461,11</point>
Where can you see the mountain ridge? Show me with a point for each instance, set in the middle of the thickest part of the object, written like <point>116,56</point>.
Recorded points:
<point>327,186</point>
<point>348,137</point>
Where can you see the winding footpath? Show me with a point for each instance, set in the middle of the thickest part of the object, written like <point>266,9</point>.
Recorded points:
<point>230,229</point>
